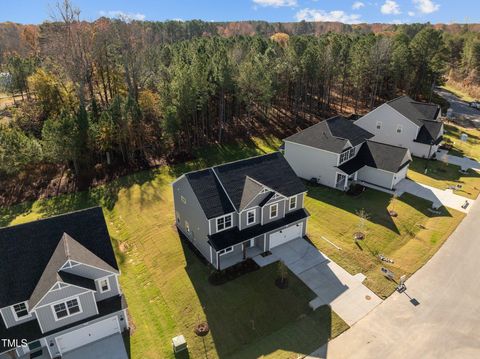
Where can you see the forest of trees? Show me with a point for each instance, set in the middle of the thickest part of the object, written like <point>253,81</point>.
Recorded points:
<point>124,92</point>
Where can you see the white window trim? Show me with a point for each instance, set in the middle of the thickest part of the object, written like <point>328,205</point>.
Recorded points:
<point>99,282</point>
<point>64,301</point>
<point>347,155</point>
<point>15,313</point>
<point>225,251</point>
<point>276,212</point>
<point>254,216</point>
<point>224,222</point>
<point>399,127</point>
<point>294,198</point>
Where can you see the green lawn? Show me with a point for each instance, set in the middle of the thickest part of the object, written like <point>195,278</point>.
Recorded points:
<point>442,175</point>
<point>409,239</point>
<point>166,284</point>
<point>470,148</point>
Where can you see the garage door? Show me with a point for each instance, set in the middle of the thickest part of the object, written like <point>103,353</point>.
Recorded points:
<point>285,235</point>
<point>88,334</point>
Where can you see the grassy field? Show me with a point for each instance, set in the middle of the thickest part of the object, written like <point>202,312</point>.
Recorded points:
<point>442,175</point>
<point>470,148</point>
<point>166,284</point>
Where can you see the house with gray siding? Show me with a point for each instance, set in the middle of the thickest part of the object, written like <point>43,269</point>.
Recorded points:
<point>240,209</point>
<point>336,153</point>
<point>406,123</point>
<point>59,290</point>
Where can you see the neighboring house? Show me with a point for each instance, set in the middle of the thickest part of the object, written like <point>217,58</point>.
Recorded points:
<point>240,209</point>
<point>59,290</point>
<point>336,152</point>
<point>406,123</point>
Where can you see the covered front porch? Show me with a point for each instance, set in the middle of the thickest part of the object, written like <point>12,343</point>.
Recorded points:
<point>240,253</point>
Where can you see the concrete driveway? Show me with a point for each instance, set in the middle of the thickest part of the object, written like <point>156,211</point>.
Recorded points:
<point>111,347</point>
<point>334,286</point>
<point>464,163</point>
<point>460,108</point>
<point>437,317</point>
<point>437,196</point>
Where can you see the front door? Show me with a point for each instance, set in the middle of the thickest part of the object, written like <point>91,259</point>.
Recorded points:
<point>341,181</point>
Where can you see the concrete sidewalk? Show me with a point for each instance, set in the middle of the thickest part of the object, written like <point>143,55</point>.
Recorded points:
<point>333,285</point>
<point>437,196</point>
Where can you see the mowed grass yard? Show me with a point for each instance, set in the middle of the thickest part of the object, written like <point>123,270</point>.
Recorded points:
<point>470,148</point>
<point>443,175</point>
<point>166,283</point>
<point>410,239</point>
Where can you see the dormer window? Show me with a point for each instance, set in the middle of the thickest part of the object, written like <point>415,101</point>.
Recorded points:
<point>273,210</point>
<point>224,222</point>
<point>20,310</point>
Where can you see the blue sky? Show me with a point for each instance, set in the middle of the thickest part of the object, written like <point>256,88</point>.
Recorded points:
<point>348,11</point>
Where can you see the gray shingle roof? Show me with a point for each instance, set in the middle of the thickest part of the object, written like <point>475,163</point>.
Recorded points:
<point>378,155</point>
<point>415,111</point>
<point>270,170</point>
<point>430,132</point>
<point>67,248</point>
<point>26,249</point>
<point>209,192</point>
<point>219,187</point>
<point>331,135</point>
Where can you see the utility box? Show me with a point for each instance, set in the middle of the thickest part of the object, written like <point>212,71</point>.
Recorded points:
<point>179,344</point>
<point>464,137</point>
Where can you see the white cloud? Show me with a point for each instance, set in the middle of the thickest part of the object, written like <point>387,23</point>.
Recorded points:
<point>276,3</point>
<point>357,5</point>
<point>411,13</point>
<point>127,16</point>
<point>390,7</point>
<point>322,15</point>
<point>426,6</point>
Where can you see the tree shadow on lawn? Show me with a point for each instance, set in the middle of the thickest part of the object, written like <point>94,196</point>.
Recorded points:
<point>374,203</point>
<point>250,316</point>
<point>219,154</point>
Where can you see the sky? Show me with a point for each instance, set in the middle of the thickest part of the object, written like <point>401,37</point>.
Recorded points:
<point>347,11</point>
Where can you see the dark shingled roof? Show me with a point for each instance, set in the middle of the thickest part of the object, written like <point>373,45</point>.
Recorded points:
<point>417,112</point>
<point>228,238</point>
<point>238,182</point>
<point>26,249</point>
<point>378,155</point>
<point>31,330</point>
<point>331,135</point>
<point>270,170</point>
<point>430,133</point>
<point>209,193</point>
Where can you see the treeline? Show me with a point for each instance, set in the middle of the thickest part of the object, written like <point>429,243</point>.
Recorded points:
<point>113,92</point>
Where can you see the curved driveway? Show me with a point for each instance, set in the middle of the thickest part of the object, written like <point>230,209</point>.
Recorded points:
<point>437,317</point>
<point>461,108</point>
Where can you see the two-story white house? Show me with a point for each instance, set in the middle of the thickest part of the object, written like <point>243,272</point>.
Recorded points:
<point>406,123</point>
<point>336,152</point>
<point>59,290</point>
<point>240,209</point>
